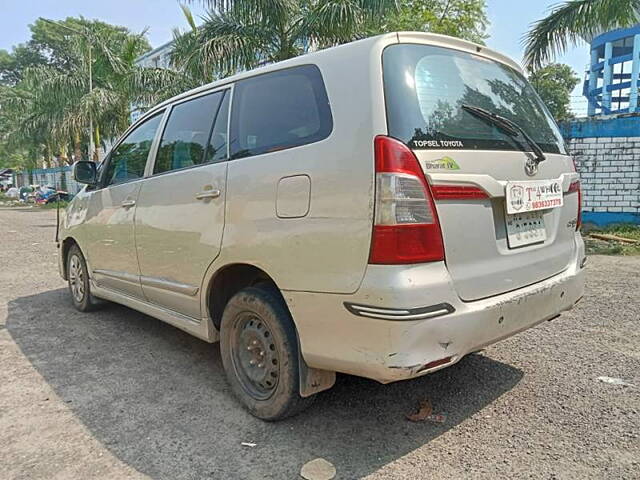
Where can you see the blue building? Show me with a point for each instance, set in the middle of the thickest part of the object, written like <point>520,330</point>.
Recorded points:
<point>614,72</point>
<point>606,143</point>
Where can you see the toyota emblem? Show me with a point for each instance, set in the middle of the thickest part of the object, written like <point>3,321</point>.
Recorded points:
<point>531,167</point>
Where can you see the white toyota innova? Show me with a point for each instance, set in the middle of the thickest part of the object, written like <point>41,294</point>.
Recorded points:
<point>381,209</point>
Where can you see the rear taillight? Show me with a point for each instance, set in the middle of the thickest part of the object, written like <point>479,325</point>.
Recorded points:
<point>406,227</point>
<point>575,187</point>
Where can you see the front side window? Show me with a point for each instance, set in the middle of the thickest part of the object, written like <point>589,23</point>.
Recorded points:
<point>187,133</point>
<point>426,87</point>
<point>279,110</point>
<point>129,158</point>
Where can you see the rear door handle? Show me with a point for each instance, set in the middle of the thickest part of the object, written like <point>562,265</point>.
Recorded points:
<point>208,194</point>
<point>128,203</point>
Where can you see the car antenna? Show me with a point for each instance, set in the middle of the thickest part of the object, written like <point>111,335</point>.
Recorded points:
<point>58,204</point>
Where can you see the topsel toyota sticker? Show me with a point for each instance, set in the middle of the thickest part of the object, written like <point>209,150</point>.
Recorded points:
<point>533,195</point>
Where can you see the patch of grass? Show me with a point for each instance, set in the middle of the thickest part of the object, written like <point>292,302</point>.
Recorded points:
<point>626,230</point>
<point>596,246</point>
<point>63,205</point>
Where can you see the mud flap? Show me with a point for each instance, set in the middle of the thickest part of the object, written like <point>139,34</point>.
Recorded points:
<point>313,380</point>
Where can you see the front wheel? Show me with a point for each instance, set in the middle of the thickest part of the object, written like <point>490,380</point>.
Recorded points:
<point>259,350</point>
<point>78,279</point>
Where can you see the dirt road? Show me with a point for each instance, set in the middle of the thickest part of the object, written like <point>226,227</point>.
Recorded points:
<point>117,394</point>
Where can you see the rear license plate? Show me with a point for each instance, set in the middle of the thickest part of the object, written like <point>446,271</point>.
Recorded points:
<point>533,195</point>
<point>525,228</point>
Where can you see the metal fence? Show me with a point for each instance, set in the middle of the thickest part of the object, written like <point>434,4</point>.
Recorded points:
<point>59,177</point>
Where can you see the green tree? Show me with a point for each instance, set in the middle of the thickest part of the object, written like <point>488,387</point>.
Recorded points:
<point>554,83</point>
<point>465,19</point>
<point>49,45</point>
<point>11,157</point>
<point>186,59</point>
<point>90,79</point>
<point>242,34</point>
<point>14,63</point>
<point>569,22</point>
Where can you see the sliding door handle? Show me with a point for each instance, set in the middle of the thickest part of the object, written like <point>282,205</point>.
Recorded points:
<point>128,203</point>
<point>207,194</point>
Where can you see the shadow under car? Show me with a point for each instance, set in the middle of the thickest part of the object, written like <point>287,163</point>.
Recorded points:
<point>158,399</point>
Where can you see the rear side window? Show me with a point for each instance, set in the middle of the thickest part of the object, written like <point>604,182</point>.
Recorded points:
<point>279,110</point>
<point>186,135</point>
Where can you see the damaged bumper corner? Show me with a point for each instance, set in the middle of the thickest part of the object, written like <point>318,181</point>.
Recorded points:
<point>335,339</point>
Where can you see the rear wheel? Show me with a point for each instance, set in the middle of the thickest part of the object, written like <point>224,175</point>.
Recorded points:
<point>259,349</point>
<point>78,279</point>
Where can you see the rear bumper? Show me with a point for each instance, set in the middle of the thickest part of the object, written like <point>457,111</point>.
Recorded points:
<point>335,338</point>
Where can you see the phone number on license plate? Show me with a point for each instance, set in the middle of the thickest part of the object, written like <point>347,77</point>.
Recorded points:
<point>533,195</point>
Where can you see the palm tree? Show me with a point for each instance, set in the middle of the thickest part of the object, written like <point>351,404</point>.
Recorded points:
<point>242,34</point>
<point>20,130</point>
<point>96,92</point>
<point>52,109</point>
<point>568,23</point>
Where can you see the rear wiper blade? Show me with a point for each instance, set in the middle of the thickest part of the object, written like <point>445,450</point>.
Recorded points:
<point>508,126</point>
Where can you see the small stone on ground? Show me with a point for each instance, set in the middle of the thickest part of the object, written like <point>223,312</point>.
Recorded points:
<point>318,469</point>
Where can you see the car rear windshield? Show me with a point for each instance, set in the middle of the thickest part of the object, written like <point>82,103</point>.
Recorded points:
<point>425,88</point>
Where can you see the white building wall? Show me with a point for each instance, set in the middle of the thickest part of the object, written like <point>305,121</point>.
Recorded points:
<point>610,173</point>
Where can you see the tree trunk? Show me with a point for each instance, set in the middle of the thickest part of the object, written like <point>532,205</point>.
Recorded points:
<point>62,158</point>
<point>97,152</point>
<point>77,148</point>
<point>47,157</point>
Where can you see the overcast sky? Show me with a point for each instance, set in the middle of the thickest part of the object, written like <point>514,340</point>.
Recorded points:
<point>509,21</point>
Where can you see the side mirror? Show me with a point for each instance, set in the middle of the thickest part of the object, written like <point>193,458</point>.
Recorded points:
<point>85,172</point>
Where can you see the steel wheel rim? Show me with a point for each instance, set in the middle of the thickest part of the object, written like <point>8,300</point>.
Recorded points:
<point>255,356</point>
<point>76,278</point>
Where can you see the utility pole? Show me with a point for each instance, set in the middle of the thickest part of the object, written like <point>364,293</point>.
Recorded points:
<point>92,147</point>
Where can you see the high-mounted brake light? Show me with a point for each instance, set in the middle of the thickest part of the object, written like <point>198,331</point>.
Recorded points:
<point>575,187</point>
<point>406,228</point>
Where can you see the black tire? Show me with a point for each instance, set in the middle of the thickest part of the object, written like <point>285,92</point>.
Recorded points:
<point>78,280</point>
<point>257,327</point>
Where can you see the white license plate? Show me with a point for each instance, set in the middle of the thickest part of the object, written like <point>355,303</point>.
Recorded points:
<point>533,195</point>
<point>525,228</point>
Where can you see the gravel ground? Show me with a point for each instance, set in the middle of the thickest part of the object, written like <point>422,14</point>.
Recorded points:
<point>117,394</point>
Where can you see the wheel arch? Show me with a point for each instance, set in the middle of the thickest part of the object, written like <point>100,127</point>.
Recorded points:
<point>65,246</point>
<point>227,281</point>
<point>230,279</point>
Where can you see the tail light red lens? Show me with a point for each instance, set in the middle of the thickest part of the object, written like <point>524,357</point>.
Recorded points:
<point>406,228</point>
<point>575,187</point>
